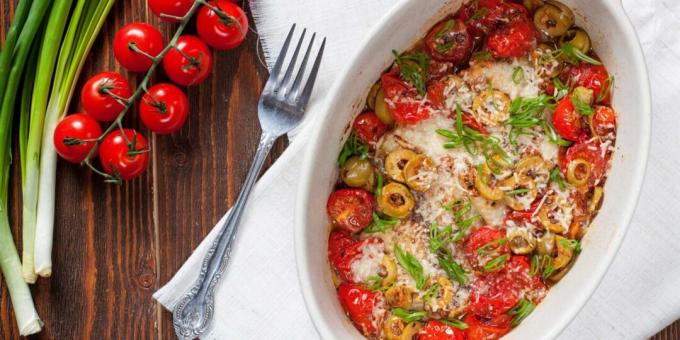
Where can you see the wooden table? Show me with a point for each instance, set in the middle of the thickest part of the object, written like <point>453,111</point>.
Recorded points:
<point>116,245</point>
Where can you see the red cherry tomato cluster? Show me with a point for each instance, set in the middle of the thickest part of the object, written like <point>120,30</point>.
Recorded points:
<point>164,107</point>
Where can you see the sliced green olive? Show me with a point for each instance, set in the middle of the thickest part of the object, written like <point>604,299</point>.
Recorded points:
<point>545,61</point>
<point>396,161</point>
<point>357,173</point>
<point>444,296</point>
<point>596,199</point>
<point>482,180</point>
<point>399,296</point>
<point>372,94</point>
<point>381,109</point>
<point>393,328</point>
<point>411,330</point>
<point>532,167</point>
<point>416,173</point>
<point>546,244</point>
<point>532,5</point>
<point>521,241</point>
<point>578,172</point>
<point>390,271</point>
<point>578,38</point>
<point>547,213</point>
<point>520,192</point>
<point>584,95</point>
<point>554,19</point>
<point>564,253</point>
<point>396,200</point>
<point>491,107</point>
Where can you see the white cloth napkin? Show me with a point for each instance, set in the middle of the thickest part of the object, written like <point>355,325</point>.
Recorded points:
<point>260,298</point>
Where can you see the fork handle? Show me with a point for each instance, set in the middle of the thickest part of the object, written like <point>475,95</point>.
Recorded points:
<point>191,323</point>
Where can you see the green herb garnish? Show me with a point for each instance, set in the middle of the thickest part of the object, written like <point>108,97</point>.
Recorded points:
<point>408,316</point>
<point>516,192</point>
<point>573,244</point>
<point>379,184</point>
<point>491,247</point>
<point>556,176</point>
<point>452,268</point>
<point>472,140</point>
<point>574,55</point>
<point>482,55</point>
<point>562,89</point>
<point>380,224</point>
<point>411,265</point>
<point>352,147</point>
<point>527,113</point>
<point>608,89</point>
<point>581,106</point>
<point>431,292</point>
<point>552,135</point>
<point>414,68</point>
<point>496,263</point>
<point>517,75</point>
<point>374,282</point>
<point>523,308</point>
<point>439,237</point>
<point>455,323</point>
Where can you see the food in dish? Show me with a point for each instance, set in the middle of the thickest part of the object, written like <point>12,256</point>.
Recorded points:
<point>470,177</point>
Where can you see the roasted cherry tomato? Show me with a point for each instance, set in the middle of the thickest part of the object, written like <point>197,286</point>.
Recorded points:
<point>591,152</point>
<point>594,77</point>
<point>436,330</point>
<point>449,41</point>
<point>604,121</point>
<point>343,251</point>
<point>122,160</point>
<point>135,43</point>
<point>513,40</point>
<point>102,95</point>
<point>402,100</point>
<point>190,62</point>
<point>164,108</point>
<point>225,30</point>
<point>364,307</point>
<point>368,127</point>
<point>487,329</point>
<point>350,209</point>
<point>525,215</point>
<point>485,244</point>
<point>567,121</point>
<point>72,134</point>
<point>174,8</point>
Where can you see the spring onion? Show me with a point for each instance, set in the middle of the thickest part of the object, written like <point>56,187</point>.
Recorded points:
<point>408,316</point>
<point>411,265</point>
<point>87,18</point>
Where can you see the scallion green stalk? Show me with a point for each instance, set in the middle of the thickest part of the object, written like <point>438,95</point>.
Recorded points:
<point>86,20</point>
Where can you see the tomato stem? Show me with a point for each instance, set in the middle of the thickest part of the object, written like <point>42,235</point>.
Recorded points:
<point>226,19</point>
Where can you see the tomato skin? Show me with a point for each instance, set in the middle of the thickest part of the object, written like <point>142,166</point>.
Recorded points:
<point>402,100</point>
<point>481,237</point>
<point>187,72</point>
<point>590,152</point>
<point>115,158</point>
<point>102,106</point>
<point>215,32</point>
<point>343,251</point>
<point>604,121</point>
<point>146,37</point>
<point>567,121</point>
<point>436,330</point>
<point>482,329</point>
<point>594,77</point>
<point>451,32</point>
<point>514,40</point>
<point>80,126</point>
<point>177,8</point>
<point>164,108</point>
<point>368,127</point>
<point>359,303</point>
<point>350,209</point>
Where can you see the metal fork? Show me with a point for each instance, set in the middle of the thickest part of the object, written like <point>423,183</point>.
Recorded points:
<point>281,107</point>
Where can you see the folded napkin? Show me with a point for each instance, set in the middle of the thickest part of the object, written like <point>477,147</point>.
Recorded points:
<point>260,298</point>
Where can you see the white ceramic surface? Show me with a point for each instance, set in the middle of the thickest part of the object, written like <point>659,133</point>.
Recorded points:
<point>616,43</point>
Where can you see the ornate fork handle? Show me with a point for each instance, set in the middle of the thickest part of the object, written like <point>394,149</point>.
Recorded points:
<point>193,313</point>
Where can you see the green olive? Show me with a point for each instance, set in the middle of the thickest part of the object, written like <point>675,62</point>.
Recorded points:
<point>357,173</point>
<point>482,180</point>
<point>381,109</point>
<point>393,328</point>
<point>532,5</point>
<point>553,19</point>
<point>564,253</point>
<point>584,95</point>
<point>416,173</point>
<point>578,172</point>
<point>396,161</point>
<point>521,241</point>
<point>396,200</point>
<point>372,94</point>
<point>546,244</point>
<point>399,296</point>
<point>578,38</point>
<point>519,200</point>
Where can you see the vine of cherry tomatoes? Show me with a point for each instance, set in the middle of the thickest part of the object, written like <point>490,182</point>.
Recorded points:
<point>164,107</point>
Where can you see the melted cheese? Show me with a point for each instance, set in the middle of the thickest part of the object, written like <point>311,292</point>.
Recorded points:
<point>499,74</point>
<point>367,265</point>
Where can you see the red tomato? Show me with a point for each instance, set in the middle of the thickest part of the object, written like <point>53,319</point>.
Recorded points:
<point>604,121</point>
<point>484,16</point>
<point>118,159</point>
<point>449,41</point>
<point>590,152</point>
<point>71,134</point>
<point>350,209</point>
<point>487,238</point>
<point>436,330</point>
<point>137,36</point>
<point>99,92</point>
<point>368,127</point>
<point>343,250</point>
<point>594,77</point>
<point>524,215</point>
<point>487,329</point>
<point>364,307</point>
<point>514,40</point>
<point>190,62</point>
<point>164,108</point>
<point>225,30</point>
<point>402,101</point>
<point>567,121</point>
<point>175,8</point>
<point>435,93</point>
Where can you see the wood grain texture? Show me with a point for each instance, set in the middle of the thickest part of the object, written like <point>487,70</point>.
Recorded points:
<point>115,245</point>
